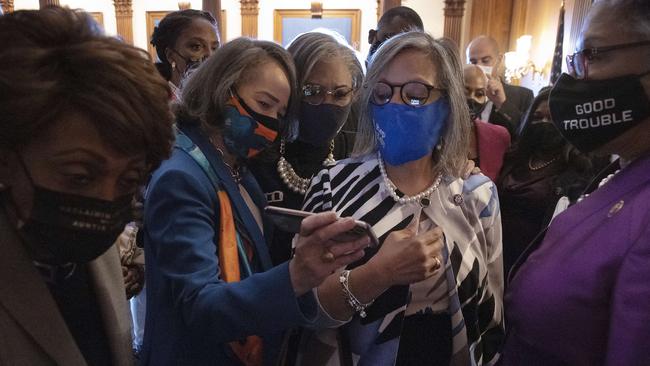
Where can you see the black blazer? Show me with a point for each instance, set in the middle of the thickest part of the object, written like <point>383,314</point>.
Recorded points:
<point>511,113</point>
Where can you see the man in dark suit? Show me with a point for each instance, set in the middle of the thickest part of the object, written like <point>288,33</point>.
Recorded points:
<point>507,103</point>
<point>394,21</point>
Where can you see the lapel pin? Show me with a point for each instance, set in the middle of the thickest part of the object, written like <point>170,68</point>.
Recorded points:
<point>458,199</point>
<point>617,207</point>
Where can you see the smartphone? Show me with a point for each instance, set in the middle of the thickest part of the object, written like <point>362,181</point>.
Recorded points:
<point>290,220</point>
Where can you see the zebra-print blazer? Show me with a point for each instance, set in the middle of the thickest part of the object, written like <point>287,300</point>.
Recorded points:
<point>468,213</point>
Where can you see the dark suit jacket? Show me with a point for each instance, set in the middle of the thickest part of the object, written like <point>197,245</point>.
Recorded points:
<point>191,313</point>
<point>518,100</point>
<point>32,329</point>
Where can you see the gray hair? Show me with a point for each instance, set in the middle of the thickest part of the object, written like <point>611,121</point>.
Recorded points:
<point>452,157</point>
<point>208,89</point>
<point>310,48</point>
<point>635,12</point>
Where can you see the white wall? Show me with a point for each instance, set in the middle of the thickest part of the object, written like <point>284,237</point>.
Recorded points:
<point>233,15</point>
<point>432,14</point>
<point>103,6</point>
<point>25,4</point>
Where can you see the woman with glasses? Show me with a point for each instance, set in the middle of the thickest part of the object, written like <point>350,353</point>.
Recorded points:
<point>540,169</point>
<point>214,296</point>
<point>84,119</point>
<point>583,295</point>
<point>183,39</point>
<point>329,75</point>
<point>422,298</point>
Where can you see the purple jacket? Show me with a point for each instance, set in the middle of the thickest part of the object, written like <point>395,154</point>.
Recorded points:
<point>583,297</point>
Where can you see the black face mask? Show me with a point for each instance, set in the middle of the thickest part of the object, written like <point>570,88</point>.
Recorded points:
<point>475,108</point>
<point>319,124</point>
<point>544,137</point>
<point>70,228</point>
<point>591,113</point>
<point>74,228</point>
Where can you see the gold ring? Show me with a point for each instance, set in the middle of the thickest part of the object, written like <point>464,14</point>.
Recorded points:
<point>327,257</point>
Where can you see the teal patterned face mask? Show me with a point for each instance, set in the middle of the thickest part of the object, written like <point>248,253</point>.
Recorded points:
<point>248,132</point>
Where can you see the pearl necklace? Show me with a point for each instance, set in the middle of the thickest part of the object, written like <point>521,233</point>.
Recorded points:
<point>540,166</point>
<point>422,198</point>
<point>289,176</point>
<point>602,183</point>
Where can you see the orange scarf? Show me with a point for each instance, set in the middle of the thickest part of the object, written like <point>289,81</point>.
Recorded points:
<point>248,351</point>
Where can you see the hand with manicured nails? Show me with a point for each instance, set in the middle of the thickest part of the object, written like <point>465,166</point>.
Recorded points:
<point>495,90</point>
<point>316,256</point>
<point>407,257</point>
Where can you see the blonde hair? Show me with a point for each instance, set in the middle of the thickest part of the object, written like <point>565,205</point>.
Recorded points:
<point>451,158</point>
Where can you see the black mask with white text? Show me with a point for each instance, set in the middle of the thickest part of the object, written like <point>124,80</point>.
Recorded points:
<point>591,113</point>
<point>69,228</point>
<point>72,228</point>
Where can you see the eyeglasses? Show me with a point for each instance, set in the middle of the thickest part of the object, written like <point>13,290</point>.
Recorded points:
<point>315,94</point>
<point>577,64</point>
<point>413,93</point>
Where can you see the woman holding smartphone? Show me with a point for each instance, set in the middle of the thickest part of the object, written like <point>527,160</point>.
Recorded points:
<point>329,76</point>
<point>422,298</point>
<point>213,295</point>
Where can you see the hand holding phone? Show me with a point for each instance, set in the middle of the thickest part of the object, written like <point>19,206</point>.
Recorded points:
<point>290,221</point>
<point>317,253</point>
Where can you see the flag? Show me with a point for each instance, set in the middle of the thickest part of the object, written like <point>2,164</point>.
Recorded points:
<point>556,68</point>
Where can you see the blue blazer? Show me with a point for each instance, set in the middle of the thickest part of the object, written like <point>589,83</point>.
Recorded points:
<point>191,313</point>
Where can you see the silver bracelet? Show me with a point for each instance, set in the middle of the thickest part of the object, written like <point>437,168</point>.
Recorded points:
<point>354,303</point>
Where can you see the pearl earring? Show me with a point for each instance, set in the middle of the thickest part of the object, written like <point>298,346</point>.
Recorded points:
<point>173,65</point>
<point>439,147</point>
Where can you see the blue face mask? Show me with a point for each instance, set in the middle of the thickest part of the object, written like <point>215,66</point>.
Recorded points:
<point>408,133</point>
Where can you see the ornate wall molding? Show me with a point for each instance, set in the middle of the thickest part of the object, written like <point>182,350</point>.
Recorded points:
<point>7,6</point>
<point>124,17</point>
<point>214,8</point>
<point>387,4</point>
<point>44,3</point>
<point>249,11</point>
<point>454,11</point>
<point>578,15</point>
